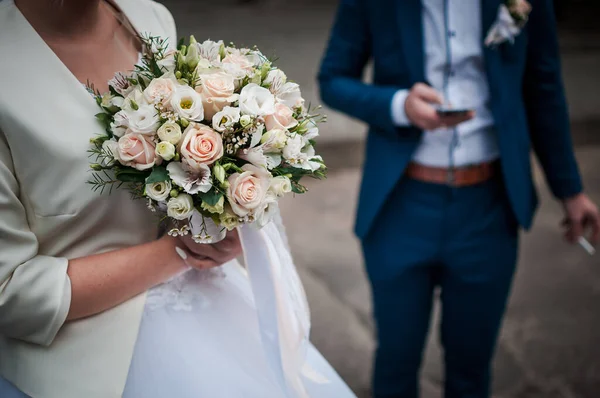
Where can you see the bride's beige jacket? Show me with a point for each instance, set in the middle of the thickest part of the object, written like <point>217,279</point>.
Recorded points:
<point>48,214</point>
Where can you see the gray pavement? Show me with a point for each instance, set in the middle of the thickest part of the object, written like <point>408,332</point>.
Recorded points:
<point>549,346</point>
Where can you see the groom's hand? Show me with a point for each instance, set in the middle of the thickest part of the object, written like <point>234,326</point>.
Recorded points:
<point>581,213</point>
<point>421,112</point>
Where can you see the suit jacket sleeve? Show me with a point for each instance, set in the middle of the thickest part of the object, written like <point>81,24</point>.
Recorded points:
<point>546,104</point>
<point>35,291</point>
<point>342,68</point>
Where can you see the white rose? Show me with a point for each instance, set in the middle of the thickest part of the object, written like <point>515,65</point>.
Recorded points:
<point>280,185</point>
<point>159,91</point>
<point>274,141</point>
<point>290,95</point>
<point>170,132</point>
<point>217,208</point>
<point>165,150</point>
<point>275,79</point>
<point>226,118</point>
<point>256,101</point>
<point>187,103</point>
<point>181,207</point>
<point>245,120</point>
<point>158,191</point>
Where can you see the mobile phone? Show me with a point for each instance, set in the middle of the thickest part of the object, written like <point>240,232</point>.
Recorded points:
<point>446,111</point>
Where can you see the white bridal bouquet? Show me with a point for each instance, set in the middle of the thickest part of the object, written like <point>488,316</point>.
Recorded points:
<point>212,136</point>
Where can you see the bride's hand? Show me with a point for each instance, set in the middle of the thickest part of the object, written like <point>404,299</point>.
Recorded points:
<point>203,256</point>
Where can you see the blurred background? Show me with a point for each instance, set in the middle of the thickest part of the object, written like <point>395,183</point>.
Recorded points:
<point>550,344</point>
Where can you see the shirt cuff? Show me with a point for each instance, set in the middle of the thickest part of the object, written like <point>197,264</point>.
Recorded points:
<point>398,114</point>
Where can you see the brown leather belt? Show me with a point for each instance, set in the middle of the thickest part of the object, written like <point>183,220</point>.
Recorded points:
<point>458,177</point>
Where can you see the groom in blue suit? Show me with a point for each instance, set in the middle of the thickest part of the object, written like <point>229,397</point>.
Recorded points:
<point>443,196</point>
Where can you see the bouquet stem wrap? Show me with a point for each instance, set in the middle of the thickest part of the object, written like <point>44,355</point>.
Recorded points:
<point>282,308</point>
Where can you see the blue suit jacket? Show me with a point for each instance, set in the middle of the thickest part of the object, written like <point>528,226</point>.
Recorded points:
<point>527,97</point>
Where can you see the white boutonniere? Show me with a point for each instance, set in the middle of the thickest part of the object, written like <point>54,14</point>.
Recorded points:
<point>512,17</point>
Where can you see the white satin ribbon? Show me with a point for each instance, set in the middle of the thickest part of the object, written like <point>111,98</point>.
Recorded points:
<point>281,304</point>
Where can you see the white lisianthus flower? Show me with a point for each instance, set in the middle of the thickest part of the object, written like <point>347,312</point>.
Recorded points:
<point>254,156</point>
<point>290,95</point>
<point>180,207</point>
<point>159,90</point>
<point>265,213</point>
<point>159,191</point>
<point>119,124</point>
<point>274,141</point>
<point>226,118</point>
<point>165,150</point>
<point>217,208</point>
<point>192,181</point>
<point>256,101</point>
<point>144,120</point>
<point>187,103</point>
<point>280,185</point>
<point>275,79</point>
<point>170,132</point>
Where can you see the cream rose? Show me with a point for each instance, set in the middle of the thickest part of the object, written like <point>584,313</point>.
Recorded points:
<point>256,101</point>
<point>165,150</point>
<point>217,208</point>
<point>247,190</point>
<point>180,207</point>
<point>137,151</point>
<point>159,90</point>
<point>228,219</point>
<point>280,185</point>
<point>273,141</point>
<point>282,119</point>
<point>170,132</point>
<point>217,92</point>
<point>187,103</point>
<point>158,191</point>
<point>200,145</point>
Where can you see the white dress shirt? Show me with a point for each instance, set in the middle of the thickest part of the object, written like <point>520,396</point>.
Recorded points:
<point>455,67</point>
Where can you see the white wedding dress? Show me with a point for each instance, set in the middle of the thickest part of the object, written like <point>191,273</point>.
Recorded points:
<point>203,335</point>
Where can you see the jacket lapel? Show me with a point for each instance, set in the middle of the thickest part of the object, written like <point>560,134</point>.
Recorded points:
<point>410,23</point>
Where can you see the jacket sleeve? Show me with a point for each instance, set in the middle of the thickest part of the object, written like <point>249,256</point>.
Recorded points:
<point>546,104</point>
<point>342,67</point>
<point>35,291</point>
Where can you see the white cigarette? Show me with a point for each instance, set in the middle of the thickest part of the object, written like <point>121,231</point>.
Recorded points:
<point>587,246</point>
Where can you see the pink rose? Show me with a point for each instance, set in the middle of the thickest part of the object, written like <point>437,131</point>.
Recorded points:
<point>248,190</point>
<point>199,146</point>
<point>217,92</point>
<point>282,119</point>
<point>237,65</point>
<point>137,151</point>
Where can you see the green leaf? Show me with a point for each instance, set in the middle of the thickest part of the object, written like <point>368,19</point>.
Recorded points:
<point>212,197</point>
<point>159,174</point>
<point>104,118</point>
<point>131,175</point>
<point>297,188</point>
